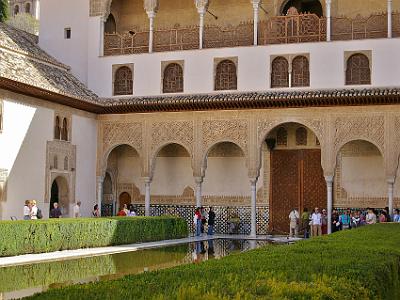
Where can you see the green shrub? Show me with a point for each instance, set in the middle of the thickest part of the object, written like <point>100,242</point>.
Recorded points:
<point>38,236</point>
<point>355,264</point>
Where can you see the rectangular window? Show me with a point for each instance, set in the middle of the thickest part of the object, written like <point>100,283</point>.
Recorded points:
<point>67,33</point>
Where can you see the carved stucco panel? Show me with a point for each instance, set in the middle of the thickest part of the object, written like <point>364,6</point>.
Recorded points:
<point>215,131</point>
<point>349,128</point>
<point>117,133</point>
<point>180,132</point>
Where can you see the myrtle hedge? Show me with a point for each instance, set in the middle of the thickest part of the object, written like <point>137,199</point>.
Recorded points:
<point>38,236</point>
<point>355,264</point>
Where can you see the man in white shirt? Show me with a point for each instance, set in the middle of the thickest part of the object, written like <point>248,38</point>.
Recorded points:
<point>77,210</point>
<point>294,222</point>
<point>316,223</point>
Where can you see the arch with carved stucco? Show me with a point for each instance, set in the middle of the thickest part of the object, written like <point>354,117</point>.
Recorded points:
<point>107,152</point>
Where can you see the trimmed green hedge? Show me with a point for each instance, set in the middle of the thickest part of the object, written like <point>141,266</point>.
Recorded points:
<point>38,236</point>
<point>354,264</point>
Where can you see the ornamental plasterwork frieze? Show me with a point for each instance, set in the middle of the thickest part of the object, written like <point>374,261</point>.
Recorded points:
<point>264,127</point>
<point>235,131</point>
<point>349,128</point>
<point>117,133</point>
<point>180,132</point>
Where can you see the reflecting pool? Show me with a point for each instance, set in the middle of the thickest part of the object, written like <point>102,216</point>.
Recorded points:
<point>21,281</point>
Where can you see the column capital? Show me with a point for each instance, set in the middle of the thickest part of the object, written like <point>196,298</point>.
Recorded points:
<point>329,179</point>
<point>390,180</point>
<point>100,179</point>
<point>253,180</point>
<point>198,179</point>
<point>256,3</point>
<point>151,7</point>
<point>201,5</point>
<point>147,180</point>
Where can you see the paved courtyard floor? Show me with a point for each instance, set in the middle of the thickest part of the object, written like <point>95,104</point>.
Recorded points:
<point>88,252</point>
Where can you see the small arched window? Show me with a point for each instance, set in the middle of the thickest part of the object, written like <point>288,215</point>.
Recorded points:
<point>16,10</point>
<point>301,136</point>
<point>28,8</point>
<point>57,129</point>
<point>173,79</point>
<point>280,73</point>
<point>66,163</point>
<point>300,72</point>
<point>123,83</point>
<point>64,132</point>
<point>110,26</point>
<point>55,162</point>
<point>358,70</point>
<point>281,136</point>
<point>225,76</point>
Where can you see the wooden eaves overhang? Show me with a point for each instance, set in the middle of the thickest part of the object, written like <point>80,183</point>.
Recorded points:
<point>215,101</point>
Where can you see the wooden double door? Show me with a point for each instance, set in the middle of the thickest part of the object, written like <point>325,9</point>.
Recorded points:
<point>297,181</point>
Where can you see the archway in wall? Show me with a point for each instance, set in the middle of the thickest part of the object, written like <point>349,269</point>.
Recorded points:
<point>108,204</point>
<point>124,199</point>
<point>226,187</point>
<point>127,16</point>
<point>295,180</point>
<point>173,174</point>
<point>360,180</point>
<point>302,7</point>
<point>60,194</point>
<point>125,165</point>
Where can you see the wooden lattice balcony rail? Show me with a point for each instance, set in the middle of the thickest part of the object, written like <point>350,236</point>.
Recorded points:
<point>276,30</point>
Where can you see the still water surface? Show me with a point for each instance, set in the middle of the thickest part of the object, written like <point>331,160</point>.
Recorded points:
<point>21,281</point>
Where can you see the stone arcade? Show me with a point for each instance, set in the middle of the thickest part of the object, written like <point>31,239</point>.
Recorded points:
<point>253,108</point>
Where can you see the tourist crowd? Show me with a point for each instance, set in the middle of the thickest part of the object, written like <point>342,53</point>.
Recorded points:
<point>316,222</point>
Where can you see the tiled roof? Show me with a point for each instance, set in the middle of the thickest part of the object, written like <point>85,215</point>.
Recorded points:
<point>21,60</point>
<point>243,100</point>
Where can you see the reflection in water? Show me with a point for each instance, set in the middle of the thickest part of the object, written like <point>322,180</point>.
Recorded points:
<point>21,281</point>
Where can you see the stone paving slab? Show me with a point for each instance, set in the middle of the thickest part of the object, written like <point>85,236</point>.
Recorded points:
<point>89,252</point>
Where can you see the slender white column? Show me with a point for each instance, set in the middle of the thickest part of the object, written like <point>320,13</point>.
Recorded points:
<point>100,180</point>
<point>37,9</point>
<point>199,183</point>
<point>328,20</point>
<point>389,15</point>
<point>147,183</point>
<point>253,182</point>
<point>256,8</point>
<point>101,46</point>
<point>202,6</point>
<point>329,205</point>
<point>151,15</point>
<point>390,196</point>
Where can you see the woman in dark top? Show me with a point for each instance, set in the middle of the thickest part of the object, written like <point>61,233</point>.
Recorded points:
<point>211,221</point>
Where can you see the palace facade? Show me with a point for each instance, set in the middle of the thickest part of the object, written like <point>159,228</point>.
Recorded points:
<point>252,107</point>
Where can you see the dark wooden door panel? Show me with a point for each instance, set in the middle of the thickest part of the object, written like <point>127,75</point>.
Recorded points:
<point>296,182</point>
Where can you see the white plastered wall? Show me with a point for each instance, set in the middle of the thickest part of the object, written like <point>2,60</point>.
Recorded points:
<point>26,129</point>
<point>84,136</point>
<point>55,16</point>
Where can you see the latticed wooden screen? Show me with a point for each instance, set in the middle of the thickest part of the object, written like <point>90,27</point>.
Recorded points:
<point>173,79</point>
<point>225,77</point>
<point>281,136</point>
<point>301,136</point>
<point>280,72</point>
<point>123,83</point>
<point>300,71</point>
<point>358,70</point>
